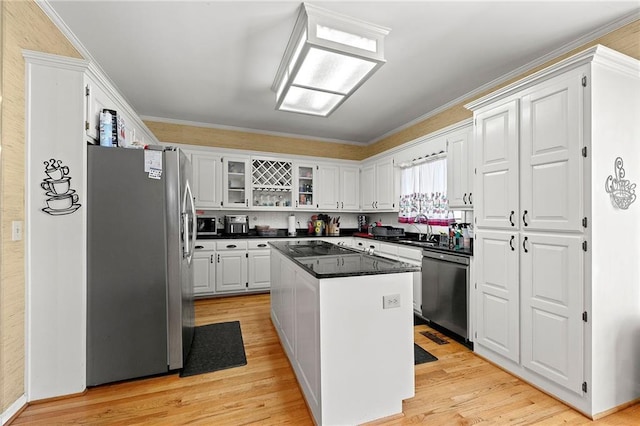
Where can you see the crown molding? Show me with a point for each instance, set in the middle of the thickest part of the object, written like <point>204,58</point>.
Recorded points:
<point>247,130</point>
<point>587,38</point>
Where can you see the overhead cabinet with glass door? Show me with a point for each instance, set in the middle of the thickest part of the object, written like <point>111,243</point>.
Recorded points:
<point>305,180</point>
<point>235,182</point>
<point>556,288</point>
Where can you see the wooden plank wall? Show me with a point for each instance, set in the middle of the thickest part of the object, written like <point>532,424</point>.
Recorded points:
<point>24,26</point>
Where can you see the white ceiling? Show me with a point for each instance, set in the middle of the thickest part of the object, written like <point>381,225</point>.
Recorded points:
<point>213,62</point>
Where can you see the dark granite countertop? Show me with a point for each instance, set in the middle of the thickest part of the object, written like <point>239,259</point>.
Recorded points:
<point>409,240</point>
<point>326,260</point>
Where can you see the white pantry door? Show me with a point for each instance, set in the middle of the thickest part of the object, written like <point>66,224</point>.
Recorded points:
<point>497,303</point>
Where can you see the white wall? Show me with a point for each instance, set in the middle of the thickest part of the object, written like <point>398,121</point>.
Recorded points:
<point>55,240</point>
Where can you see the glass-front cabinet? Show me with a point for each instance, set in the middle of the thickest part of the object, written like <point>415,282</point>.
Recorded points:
<point>235,180</point>
<point>271,183</point>
<point>305,179</point>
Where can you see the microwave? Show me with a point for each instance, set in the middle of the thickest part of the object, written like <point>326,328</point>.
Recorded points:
<point>207,225</point>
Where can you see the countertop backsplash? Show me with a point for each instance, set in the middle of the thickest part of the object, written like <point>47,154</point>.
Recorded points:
<point>347,220</point>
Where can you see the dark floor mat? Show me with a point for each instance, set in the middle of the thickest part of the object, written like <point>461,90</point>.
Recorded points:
<point>215,347</point>
<point>420,356</point>
<point>433,337</point>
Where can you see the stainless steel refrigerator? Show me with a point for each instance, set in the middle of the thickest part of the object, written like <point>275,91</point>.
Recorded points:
<point>141,234</point>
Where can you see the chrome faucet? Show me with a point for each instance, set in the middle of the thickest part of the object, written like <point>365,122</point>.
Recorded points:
<point>415,220</point>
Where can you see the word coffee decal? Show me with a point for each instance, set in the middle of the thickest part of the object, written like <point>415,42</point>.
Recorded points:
<point>61,199</point>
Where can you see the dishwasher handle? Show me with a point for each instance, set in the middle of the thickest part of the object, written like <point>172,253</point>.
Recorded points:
<point>446,257</point>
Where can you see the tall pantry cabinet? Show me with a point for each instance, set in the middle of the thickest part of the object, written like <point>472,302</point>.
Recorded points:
<point>557,277</point>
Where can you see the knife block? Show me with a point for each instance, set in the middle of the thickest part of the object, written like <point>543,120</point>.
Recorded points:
<point>333,229</point>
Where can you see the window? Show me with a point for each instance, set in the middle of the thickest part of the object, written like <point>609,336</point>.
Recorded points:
<point>423,193</point>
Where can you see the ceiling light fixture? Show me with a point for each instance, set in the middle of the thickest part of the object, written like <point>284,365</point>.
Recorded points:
<point>328,57</point>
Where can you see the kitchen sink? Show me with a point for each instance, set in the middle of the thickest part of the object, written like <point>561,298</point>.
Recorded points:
<point>419,243</point>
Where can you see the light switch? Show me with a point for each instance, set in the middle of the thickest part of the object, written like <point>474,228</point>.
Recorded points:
<point>16,230</point>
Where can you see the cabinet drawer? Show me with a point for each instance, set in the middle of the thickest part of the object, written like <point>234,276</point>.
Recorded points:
<point>231,245</point>
<point>258,244</point>
<point>205,245</point>
<point>365,244</point>
<point>410,253</point>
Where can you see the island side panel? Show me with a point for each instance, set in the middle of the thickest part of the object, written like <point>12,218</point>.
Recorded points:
<point>366,351</point>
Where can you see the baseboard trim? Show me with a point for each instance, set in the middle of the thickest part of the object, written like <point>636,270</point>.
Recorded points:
<point>57,398</point>
<point>620,407</point>
<point>14,410</point>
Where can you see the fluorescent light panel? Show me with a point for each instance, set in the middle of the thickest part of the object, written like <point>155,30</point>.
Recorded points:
<point>329,56</point>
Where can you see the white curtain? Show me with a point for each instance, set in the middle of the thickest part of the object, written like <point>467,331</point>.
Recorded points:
<point>423,190</point>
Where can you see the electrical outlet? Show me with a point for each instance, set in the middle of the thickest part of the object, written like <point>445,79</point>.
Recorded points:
<point>391,301</point>
<point>16,230</point>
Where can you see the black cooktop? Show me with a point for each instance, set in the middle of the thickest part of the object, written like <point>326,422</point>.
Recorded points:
<point>326,260</point>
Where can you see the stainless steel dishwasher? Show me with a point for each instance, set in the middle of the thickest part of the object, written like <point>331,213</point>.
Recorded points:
<point>445,291</point>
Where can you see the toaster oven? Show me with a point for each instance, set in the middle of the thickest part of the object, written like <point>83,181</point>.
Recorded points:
<point>236,225</point>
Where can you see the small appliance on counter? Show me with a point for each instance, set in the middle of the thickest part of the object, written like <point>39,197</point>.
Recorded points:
<point>207,225</point>
<point>236,224</point>
<point>362,223</point>
<point>387,231</point>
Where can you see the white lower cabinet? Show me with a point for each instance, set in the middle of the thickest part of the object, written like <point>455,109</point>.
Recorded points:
<point>204,272</point>
<point>498,313</point>
<point>259,264</point>
<point>231,267</point>
<point>414,257</point>
<point>551,294</point>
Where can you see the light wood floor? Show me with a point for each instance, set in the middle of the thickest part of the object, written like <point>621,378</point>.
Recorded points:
<point>458,389</point>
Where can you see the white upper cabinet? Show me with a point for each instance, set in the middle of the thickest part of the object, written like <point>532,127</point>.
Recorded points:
<point>460,169</point>
<point>338,187</point>
<point>496,159</point>
<point>207,178</point>
<point>379,186</point>
<point>235,182</point>
<point>349,194</point>
<point>328,187</point>
<point>96,99</point>
<point>305,184</point>
<point>550,155</point>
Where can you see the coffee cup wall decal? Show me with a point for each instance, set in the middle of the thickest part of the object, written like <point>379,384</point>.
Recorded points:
<point>621,191</point>
<point>61,199</point>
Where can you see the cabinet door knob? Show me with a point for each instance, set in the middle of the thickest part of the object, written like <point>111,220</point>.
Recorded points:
<point>231,246</point>
<point>337,204</point>
<point>464,198</point>
<point>262,245</point>
<point>211,259</point>
<point>511,243</point>
<point>511,218</point>
<point>199,247</point>
<point>470,199</point>
<point>524,244</point>
<point>524,220</point>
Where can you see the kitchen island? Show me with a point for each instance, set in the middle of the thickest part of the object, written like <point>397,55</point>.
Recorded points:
<point>345,321</point>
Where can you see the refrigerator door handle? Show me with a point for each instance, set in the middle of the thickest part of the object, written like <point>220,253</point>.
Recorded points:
<point>189,238</point>
<point>194,223</point>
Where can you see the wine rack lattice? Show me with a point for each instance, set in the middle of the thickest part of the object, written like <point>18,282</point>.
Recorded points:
<point>272,174</point>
